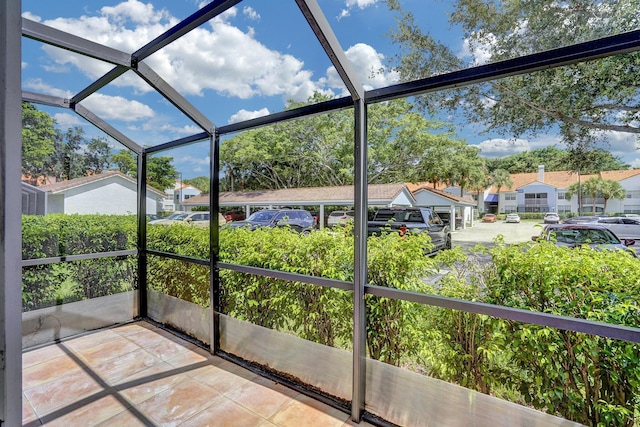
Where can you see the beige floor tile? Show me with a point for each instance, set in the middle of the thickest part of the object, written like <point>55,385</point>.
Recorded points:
<point>304,411</point>
<point>224,412</point>
<point>155,382</point>
<point>40,355</point>
<point>114,371</point>
<point>180,402</point>
<point>28,414</point>
<point>169,350</point>
<point>220,379</point>
<point>64,391</point>
<point>152,337</point>
<point>108,350</point>
<point>91,340</point>
<point>91,414</point>
<point>262,396</point>
<point>191,357</point>
<point>49,370</point>
<point>133,328</point>
<point>127,419</point>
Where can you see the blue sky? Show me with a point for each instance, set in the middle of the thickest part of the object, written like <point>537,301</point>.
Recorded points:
<point>244,64</point>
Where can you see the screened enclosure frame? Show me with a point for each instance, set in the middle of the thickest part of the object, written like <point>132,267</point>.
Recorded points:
<point>358,101</point>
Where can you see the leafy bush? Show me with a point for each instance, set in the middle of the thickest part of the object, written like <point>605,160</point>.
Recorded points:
<point>60,235</point>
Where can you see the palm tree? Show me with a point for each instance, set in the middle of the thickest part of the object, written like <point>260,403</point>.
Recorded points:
<point>611,190</point>
<point>501,178</point>
<point>573,190</point>
<point>592,187</point>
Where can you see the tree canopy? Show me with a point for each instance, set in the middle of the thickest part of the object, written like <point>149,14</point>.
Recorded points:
<point>49,152</point>
<point>579,101</point>
<point>555,159</point>
<point>318,150</point>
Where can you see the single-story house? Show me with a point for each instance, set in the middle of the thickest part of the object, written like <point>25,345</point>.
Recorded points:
<point>111,193</point>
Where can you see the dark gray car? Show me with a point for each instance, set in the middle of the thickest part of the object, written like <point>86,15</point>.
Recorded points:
<point>298,219</point>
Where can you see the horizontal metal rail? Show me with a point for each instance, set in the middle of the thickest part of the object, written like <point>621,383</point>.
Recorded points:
<point>189,259</point>
<point>519,315</point>
<point>292,277</point>
<point>81,257</point>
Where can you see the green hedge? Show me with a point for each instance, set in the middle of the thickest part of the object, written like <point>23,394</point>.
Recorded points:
<point>591,380</point>
<point>62,235</point>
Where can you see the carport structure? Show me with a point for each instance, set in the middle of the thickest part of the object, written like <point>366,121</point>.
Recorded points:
<point>348,380</point>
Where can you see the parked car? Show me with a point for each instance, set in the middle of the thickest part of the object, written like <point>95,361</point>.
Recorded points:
<point>512,217</point>
<point>623,227</point>
<point>339,218</point>
<point>153,217</point>
<point>576,235</point>
<point>234,216</point>
<point>412,220</point>
<point>198,219</point>
<point>582,219</point>
<point>489,218</point>
<point>551,218</point>
<point>298,219</point>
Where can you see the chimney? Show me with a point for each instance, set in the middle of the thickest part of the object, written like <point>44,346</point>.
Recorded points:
<point>541,173</point>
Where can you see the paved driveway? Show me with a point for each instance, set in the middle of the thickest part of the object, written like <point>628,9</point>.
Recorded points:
<point>484,233</point>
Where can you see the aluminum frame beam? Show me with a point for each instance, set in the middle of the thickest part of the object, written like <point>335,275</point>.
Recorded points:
<point>98,84</point>
<point>206,13</point>
<point>107,128</point>
<point>182,142</point>
<point>52,101</point>
<point>10,215</point>
<point>323,31</point>
<point>172,95</point>
<point>49,35</point>
<point>608,46</point>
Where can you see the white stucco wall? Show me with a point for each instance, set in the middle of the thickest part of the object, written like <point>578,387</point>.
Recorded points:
<point>111,196</point>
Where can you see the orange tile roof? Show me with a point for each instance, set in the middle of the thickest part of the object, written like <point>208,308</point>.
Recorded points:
<point>76,182</point>
<point>561,179</point>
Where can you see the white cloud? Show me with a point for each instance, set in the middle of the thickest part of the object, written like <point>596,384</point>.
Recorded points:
<point>23,65</point>
<point>479,51</point>
<point>247,115</point>
<point>368,65</point>
<point>117,108</point>
<point>635,163</point>
<point>39,86</point>
<point>250,13</point>
<point>217,56</point>
<point>67,120</point>
<point>499,147</point>
<point>360,3</point>
<point>343,14</point>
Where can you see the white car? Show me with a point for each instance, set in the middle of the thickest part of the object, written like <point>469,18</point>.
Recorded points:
<point>512,217</point>
<point>339,218</point>
<point>551,218</point>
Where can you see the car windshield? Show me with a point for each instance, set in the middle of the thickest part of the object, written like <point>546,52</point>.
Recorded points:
<point>261,216</point>
<point>177,216</point>
<point>583,236</point>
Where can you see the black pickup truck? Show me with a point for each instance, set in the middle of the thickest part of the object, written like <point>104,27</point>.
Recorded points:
<point>413,220</point>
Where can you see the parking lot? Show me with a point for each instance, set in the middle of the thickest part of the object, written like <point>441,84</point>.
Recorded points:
<point>485,233</point>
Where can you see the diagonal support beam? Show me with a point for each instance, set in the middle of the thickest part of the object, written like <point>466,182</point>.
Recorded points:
<point>107,128</point>
<point>209,11</point>
<point>40,32</point>
<point>99,84</point>
<point>166,90</point>
<point>323,31</point>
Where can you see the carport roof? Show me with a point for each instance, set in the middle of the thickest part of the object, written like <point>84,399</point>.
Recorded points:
<point>378,194</point>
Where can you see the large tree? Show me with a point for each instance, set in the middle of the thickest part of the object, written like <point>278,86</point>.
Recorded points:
<point>318,150</point>
<point>580,101</point>
<point>38,136</point>
<point>555,159</point>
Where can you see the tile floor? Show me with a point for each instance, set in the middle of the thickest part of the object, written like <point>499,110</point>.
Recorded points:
<point>140,375</point>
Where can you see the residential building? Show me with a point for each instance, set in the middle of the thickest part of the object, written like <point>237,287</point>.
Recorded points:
<point>546,192</point>
<point>111,193</point>
<point>177,195</point>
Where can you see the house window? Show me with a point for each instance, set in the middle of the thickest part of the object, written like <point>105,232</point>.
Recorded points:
<point>510,196</point>
<point>561,196</point>
<point>633,194</point>
<point>564,208</point>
